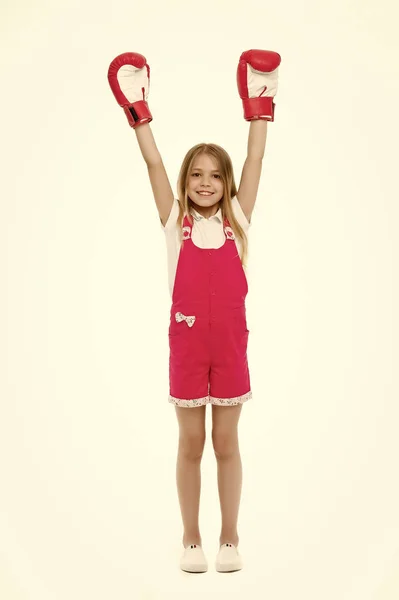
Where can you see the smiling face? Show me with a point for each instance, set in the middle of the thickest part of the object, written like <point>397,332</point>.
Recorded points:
<point>205,186</point>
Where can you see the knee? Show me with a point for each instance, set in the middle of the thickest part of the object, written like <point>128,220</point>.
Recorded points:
<point>225,444</point>
<point>191,446</point>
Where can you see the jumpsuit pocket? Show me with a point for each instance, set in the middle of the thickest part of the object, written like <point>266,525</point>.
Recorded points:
<point>176,329</point>
<point>239,319</point>
<point>242,337</point>
<point>240,324</point>
<point>177,335</point>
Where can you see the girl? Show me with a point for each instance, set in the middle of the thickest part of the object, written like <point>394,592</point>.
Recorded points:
<point>206,235</point>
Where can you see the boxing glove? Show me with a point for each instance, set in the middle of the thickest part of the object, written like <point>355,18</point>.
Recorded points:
<point>257,78</point>
<point>129,78</point>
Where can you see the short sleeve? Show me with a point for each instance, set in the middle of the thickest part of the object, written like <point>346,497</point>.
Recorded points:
<point>172,219</point>
<point>239,214</point>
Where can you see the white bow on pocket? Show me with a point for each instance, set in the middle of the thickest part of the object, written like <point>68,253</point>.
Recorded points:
<point>189,320</point>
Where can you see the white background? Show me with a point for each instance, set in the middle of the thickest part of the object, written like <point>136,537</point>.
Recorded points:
<point>88,441</point>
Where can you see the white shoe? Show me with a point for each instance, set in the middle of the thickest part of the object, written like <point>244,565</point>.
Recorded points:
<point>193,559</point>
<point>228,559</point>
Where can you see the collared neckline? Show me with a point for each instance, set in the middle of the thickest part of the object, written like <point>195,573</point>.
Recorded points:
<point>198,217</point>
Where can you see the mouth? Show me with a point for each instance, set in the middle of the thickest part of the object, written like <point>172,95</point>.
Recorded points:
<point>205,193</point>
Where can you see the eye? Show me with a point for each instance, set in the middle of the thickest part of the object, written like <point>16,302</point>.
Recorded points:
<point>217,176</point>
<point>194,174</point>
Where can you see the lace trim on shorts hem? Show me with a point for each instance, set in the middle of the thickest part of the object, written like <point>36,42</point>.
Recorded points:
<point>231,401</point>
<point>189,403</point>
<point>210,400</point>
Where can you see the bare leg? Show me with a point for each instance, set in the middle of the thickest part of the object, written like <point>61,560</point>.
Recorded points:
<point>188,469</point>
<point>229,468</point>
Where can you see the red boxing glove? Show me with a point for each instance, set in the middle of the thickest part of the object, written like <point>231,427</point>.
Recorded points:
<point>129,78</point>
<point>257,79</point>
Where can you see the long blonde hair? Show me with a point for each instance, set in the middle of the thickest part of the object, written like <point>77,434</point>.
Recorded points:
<point>229,190</point>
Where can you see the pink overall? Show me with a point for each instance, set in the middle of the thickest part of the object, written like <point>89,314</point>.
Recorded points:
<point>208,333</point>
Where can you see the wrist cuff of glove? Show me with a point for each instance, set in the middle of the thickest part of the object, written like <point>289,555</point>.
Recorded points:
<point>258,108</point>
<point>138,113</point>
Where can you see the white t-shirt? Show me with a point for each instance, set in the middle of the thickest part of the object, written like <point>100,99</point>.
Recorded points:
<point>206,233</point>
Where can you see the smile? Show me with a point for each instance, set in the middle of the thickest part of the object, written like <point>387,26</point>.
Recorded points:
<point>205,193</point>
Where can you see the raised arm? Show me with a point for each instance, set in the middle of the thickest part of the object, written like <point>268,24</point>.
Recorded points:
<point>257,77</point>
<point>129,76</point>
<point>250,177</point>
<point>161,188</point>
